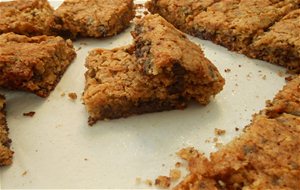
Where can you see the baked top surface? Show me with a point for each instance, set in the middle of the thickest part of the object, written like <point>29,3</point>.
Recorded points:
<point>243,17</point>
<point>113,74</point>
<point>93,12</point>
<point>168,46</point>
<point>25,16</point>
<point>21,55</point>
<point>284,34</point>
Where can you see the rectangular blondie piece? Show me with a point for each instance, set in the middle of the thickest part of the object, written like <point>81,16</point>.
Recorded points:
<point>162,49</point>
<point>6,154</point>
<point>27,17</point>
<point>178,12</point>
<point>265,156</point>
<point>281,44</point>
<point>116,87</point>
<point>33,64</point>
<point>92,18</point>
<point>234,23</point>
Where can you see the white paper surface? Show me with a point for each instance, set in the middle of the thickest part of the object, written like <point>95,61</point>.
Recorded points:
<point>58,150</point>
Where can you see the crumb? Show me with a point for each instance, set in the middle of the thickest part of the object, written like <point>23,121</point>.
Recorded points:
<point>227,70</point>
<point>175,174</point>
<point>29,114</point>
<point>240,65</point>
<point>219,132</point>
<point>85,159</point>
<point>138,6</point>
<point>289,78</point>
<point>79,48</point>
<point>178,164</point>
<point>237,129</point>
<point>63,94</point>
<point>148,182</point>
<point>163,182</point>
<point>218,145</point>
<point>83,43</point>
<point>280,73</point>
<point>138,180</point>
<point>72,95</point>
<point>215,139</point>
<point>187,153</point>
<point>163,165</point>
<point>264,77</point>
<point>24,173</point>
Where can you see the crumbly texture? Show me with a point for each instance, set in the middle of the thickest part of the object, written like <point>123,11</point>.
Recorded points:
<point>162,49</point>
<point>281,44</point>
<point>163,182</point>
<point>92,18</point>
<point>234,23</point>
<point>265,156</point>
<point>27,17</point>
<point>6,155</point>
<point>116,87</point>
<point>33,64</point>
<point>178,12</point>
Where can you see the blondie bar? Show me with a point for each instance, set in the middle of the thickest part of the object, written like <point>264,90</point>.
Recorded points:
<point>92,18</point>
<point>28,17</point>
<point>33,64</point>
<point>265,156</point>
<point>5,153</point>
<point>178,12</point>
<point>116,87</point>
<point>162,49</point>
<point>234,23</point>
<point>281,44</point>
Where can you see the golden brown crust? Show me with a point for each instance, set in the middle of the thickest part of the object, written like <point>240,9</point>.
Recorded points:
<point>33,64</point>
<point>162,49</point>
<point>234,23</point>
<point>116,87</point>
<point>265,156</point>
<point>281,44</point>
<point>6,154</point>
<point>92,18</point>
<point>178,12</point>
<point>27,17</point>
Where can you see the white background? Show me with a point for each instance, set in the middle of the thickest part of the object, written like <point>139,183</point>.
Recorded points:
<point>58,150</point>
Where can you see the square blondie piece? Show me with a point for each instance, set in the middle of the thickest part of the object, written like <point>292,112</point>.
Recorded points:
<point>179,12</point>
<point>33,64</point>
<point>6,154</point>
<point>234,23</point>
<point>27,17</point>
<point>265,156</point>
<point>116,87</point>
<point>163,50</point>
<point>92,18</point>
<point>281,44</point>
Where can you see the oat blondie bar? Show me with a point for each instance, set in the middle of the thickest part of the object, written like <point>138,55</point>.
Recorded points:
<point>92,18</point>
<point>27,17</point>
<point>33,64</point>
<point>5,153</point>
<point>178,12</point>
<point>281,44</point>
<point>265,156</point>
<point>162,49</point>
<point>116,87</point>
<point>234,23</point>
